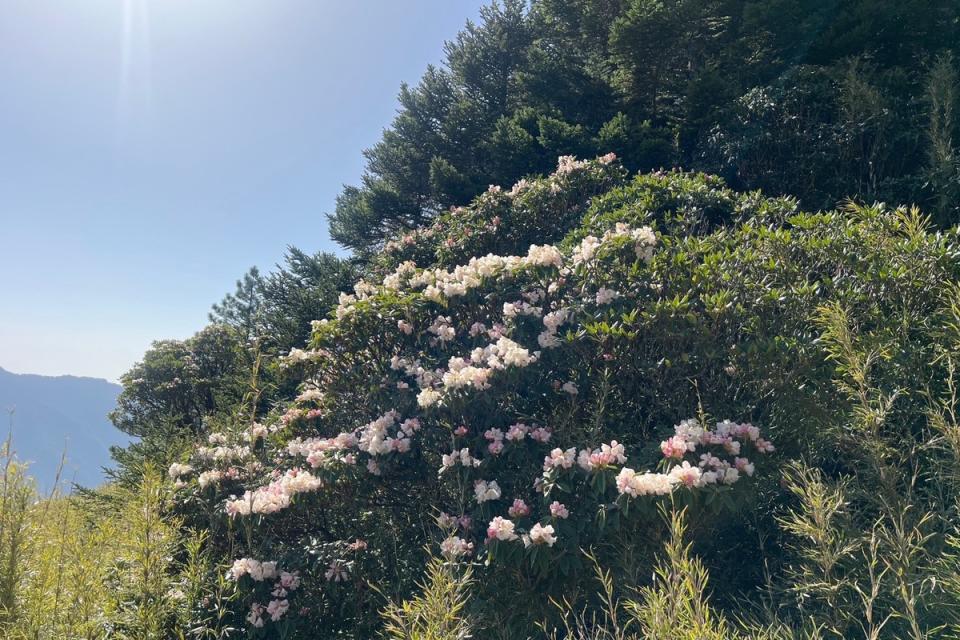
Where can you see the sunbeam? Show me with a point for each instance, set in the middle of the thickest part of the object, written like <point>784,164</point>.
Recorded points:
<point>135,95</point>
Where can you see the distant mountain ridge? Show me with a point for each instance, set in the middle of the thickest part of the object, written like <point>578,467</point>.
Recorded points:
<point>57,414</point>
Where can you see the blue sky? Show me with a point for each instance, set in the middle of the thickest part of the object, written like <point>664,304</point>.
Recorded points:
<point>151,151</point>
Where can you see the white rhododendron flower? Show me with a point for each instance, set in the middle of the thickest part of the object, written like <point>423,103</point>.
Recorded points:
<point>606,296</point>
<point>485,491</point>
<point>501,529</point>
<point>455,547</point>
<point>634,484</point>
<point>428,397</point>
<point>176,470</point>
<point>540,534</point>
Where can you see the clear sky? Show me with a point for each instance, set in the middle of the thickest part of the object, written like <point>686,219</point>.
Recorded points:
<point>151,151</point>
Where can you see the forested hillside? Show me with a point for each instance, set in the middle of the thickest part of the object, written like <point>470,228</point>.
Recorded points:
<point>649,330</point>
<point>61,415</point>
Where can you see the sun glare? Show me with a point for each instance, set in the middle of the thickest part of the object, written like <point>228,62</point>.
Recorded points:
<point>135,96</point>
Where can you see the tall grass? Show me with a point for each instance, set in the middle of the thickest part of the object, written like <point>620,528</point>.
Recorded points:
<point>438,612</point>
<point>17,494</point>
<point>98,565</point>
<point>673,606</point>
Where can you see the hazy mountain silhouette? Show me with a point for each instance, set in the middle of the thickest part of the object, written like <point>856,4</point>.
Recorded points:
<point>53,415</point>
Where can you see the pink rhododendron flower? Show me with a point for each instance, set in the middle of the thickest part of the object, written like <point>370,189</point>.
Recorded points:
<point>518,509</point>
<point>606,455</point>
<point>558,510</point>
<point>541,435</point>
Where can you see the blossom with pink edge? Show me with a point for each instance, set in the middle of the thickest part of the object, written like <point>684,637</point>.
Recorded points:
<point>559,458</point>
<point>277,608</point>
<point>541,434</point>
<point>455,547</point>
<point>687,475</point>
<point>605,456</point>
<point>518,509</point>
<point>676,447</point>
<point>501,529</point>
<point>540,534</point>
<point>559,510</point>
<point>517,432</point>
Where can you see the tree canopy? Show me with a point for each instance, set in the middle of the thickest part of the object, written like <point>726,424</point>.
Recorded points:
<point>820,100</point>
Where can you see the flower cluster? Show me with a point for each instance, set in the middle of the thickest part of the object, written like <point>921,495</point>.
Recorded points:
<point>552,322</point>
<point>485,491</point>
<point>442,329</point>
<point>384,435</point>
<point>455,547</point>
<point>257,570</point>
<point>643,239</point>
<point>286,583</point>
<point>607,455</point>
<point>274,497</point>
<point>222,452</point>
<point>476,372</point>
<point>501,529</point>
<point>633,484</point>
<point>518,509</point>
<point>455,457</point>
<point>302,356</point>
<point>688,436</point>
<point>177,470</point>
<point>540,534</point>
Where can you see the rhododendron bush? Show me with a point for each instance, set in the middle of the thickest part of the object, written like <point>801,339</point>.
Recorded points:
<point>529,379</point>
